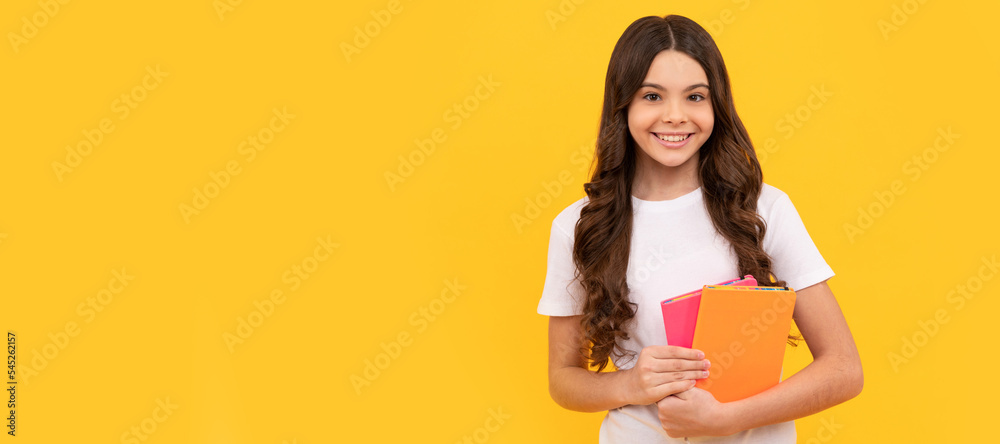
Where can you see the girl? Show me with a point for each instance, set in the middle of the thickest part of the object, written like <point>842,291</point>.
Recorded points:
<point>677,201</point>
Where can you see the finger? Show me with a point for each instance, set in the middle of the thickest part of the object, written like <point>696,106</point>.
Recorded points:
<point>667,401</point>
<point>672,388</point>
<point>658,379</point>
<point>674,352</point>
<point>685,395</point>
<point>677,365</point>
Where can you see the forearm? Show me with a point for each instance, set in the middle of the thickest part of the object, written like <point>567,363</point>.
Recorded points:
<point>822,384</point>
<point>582,390</point>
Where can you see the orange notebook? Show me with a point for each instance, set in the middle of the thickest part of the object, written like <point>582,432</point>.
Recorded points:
<point>680,313</point>
<point>743,331</point>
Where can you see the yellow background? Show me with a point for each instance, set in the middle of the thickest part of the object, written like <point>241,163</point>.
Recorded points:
<point>450,219</point>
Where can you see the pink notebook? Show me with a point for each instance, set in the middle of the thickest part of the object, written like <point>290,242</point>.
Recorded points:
<point>680,313</point>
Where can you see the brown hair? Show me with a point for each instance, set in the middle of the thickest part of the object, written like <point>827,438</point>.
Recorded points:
<point>727,166</point>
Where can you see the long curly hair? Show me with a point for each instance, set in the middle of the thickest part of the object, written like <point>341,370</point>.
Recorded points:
<point>727,166</point>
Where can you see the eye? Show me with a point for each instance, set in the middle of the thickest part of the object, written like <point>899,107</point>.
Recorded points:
<point>696,97</point>
<point>651,96</point>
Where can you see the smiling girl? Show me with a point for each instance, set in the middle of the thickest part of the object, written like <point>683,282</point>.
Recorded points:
<point>677,201</point>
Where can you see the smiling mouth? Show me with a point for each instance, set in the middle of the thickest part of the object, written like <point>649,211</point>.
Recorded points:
<point>673,137</point>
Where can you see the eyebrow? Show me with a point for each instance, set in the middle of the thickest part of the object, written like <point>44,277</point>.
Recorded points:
<point>653,85</point>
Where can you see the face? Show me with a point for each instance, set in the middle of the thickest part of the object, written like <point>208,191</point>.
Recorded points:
<point>670,116</point>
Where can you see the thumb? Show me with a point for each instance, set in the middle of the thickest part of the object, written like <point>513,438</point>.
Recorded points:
<point>685,395</point>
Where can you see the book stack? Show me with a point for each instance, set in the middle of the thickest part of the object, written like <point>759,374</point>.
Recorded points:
<point>742,329</point>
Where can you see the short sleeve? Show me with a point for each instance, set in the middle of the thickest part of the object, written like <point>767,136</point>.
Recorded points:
<point>795,258</point>
<point>562,294</point>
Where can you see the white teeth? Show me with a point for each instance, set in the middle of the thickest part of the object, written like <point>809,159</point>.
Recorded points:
<point>670,138</point>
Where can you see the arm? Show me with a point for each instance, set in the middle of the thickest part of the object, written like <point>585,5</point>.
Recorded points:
<point>660,371</point>
<point>833,377</point>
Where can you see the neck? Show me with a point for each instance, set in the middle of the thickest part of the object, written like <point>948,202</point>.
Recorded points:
<point>654,181</point>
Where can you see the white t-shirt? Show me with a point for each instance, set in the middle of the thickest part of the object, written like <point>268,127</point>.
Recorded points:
<point>675,249</point>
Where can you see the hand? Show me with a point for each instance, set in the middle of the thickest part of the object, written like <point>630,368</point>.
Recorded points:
<point>694,412</point>
<point>663,370</point>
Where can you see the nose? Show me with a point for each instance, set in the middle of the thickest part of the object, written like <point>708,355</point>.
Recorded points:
<point>674,112</point>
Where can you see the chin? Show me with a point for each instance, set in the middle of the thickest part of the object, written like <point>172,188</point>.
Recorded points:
<point>673,159</point>
<point>673,163</point>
